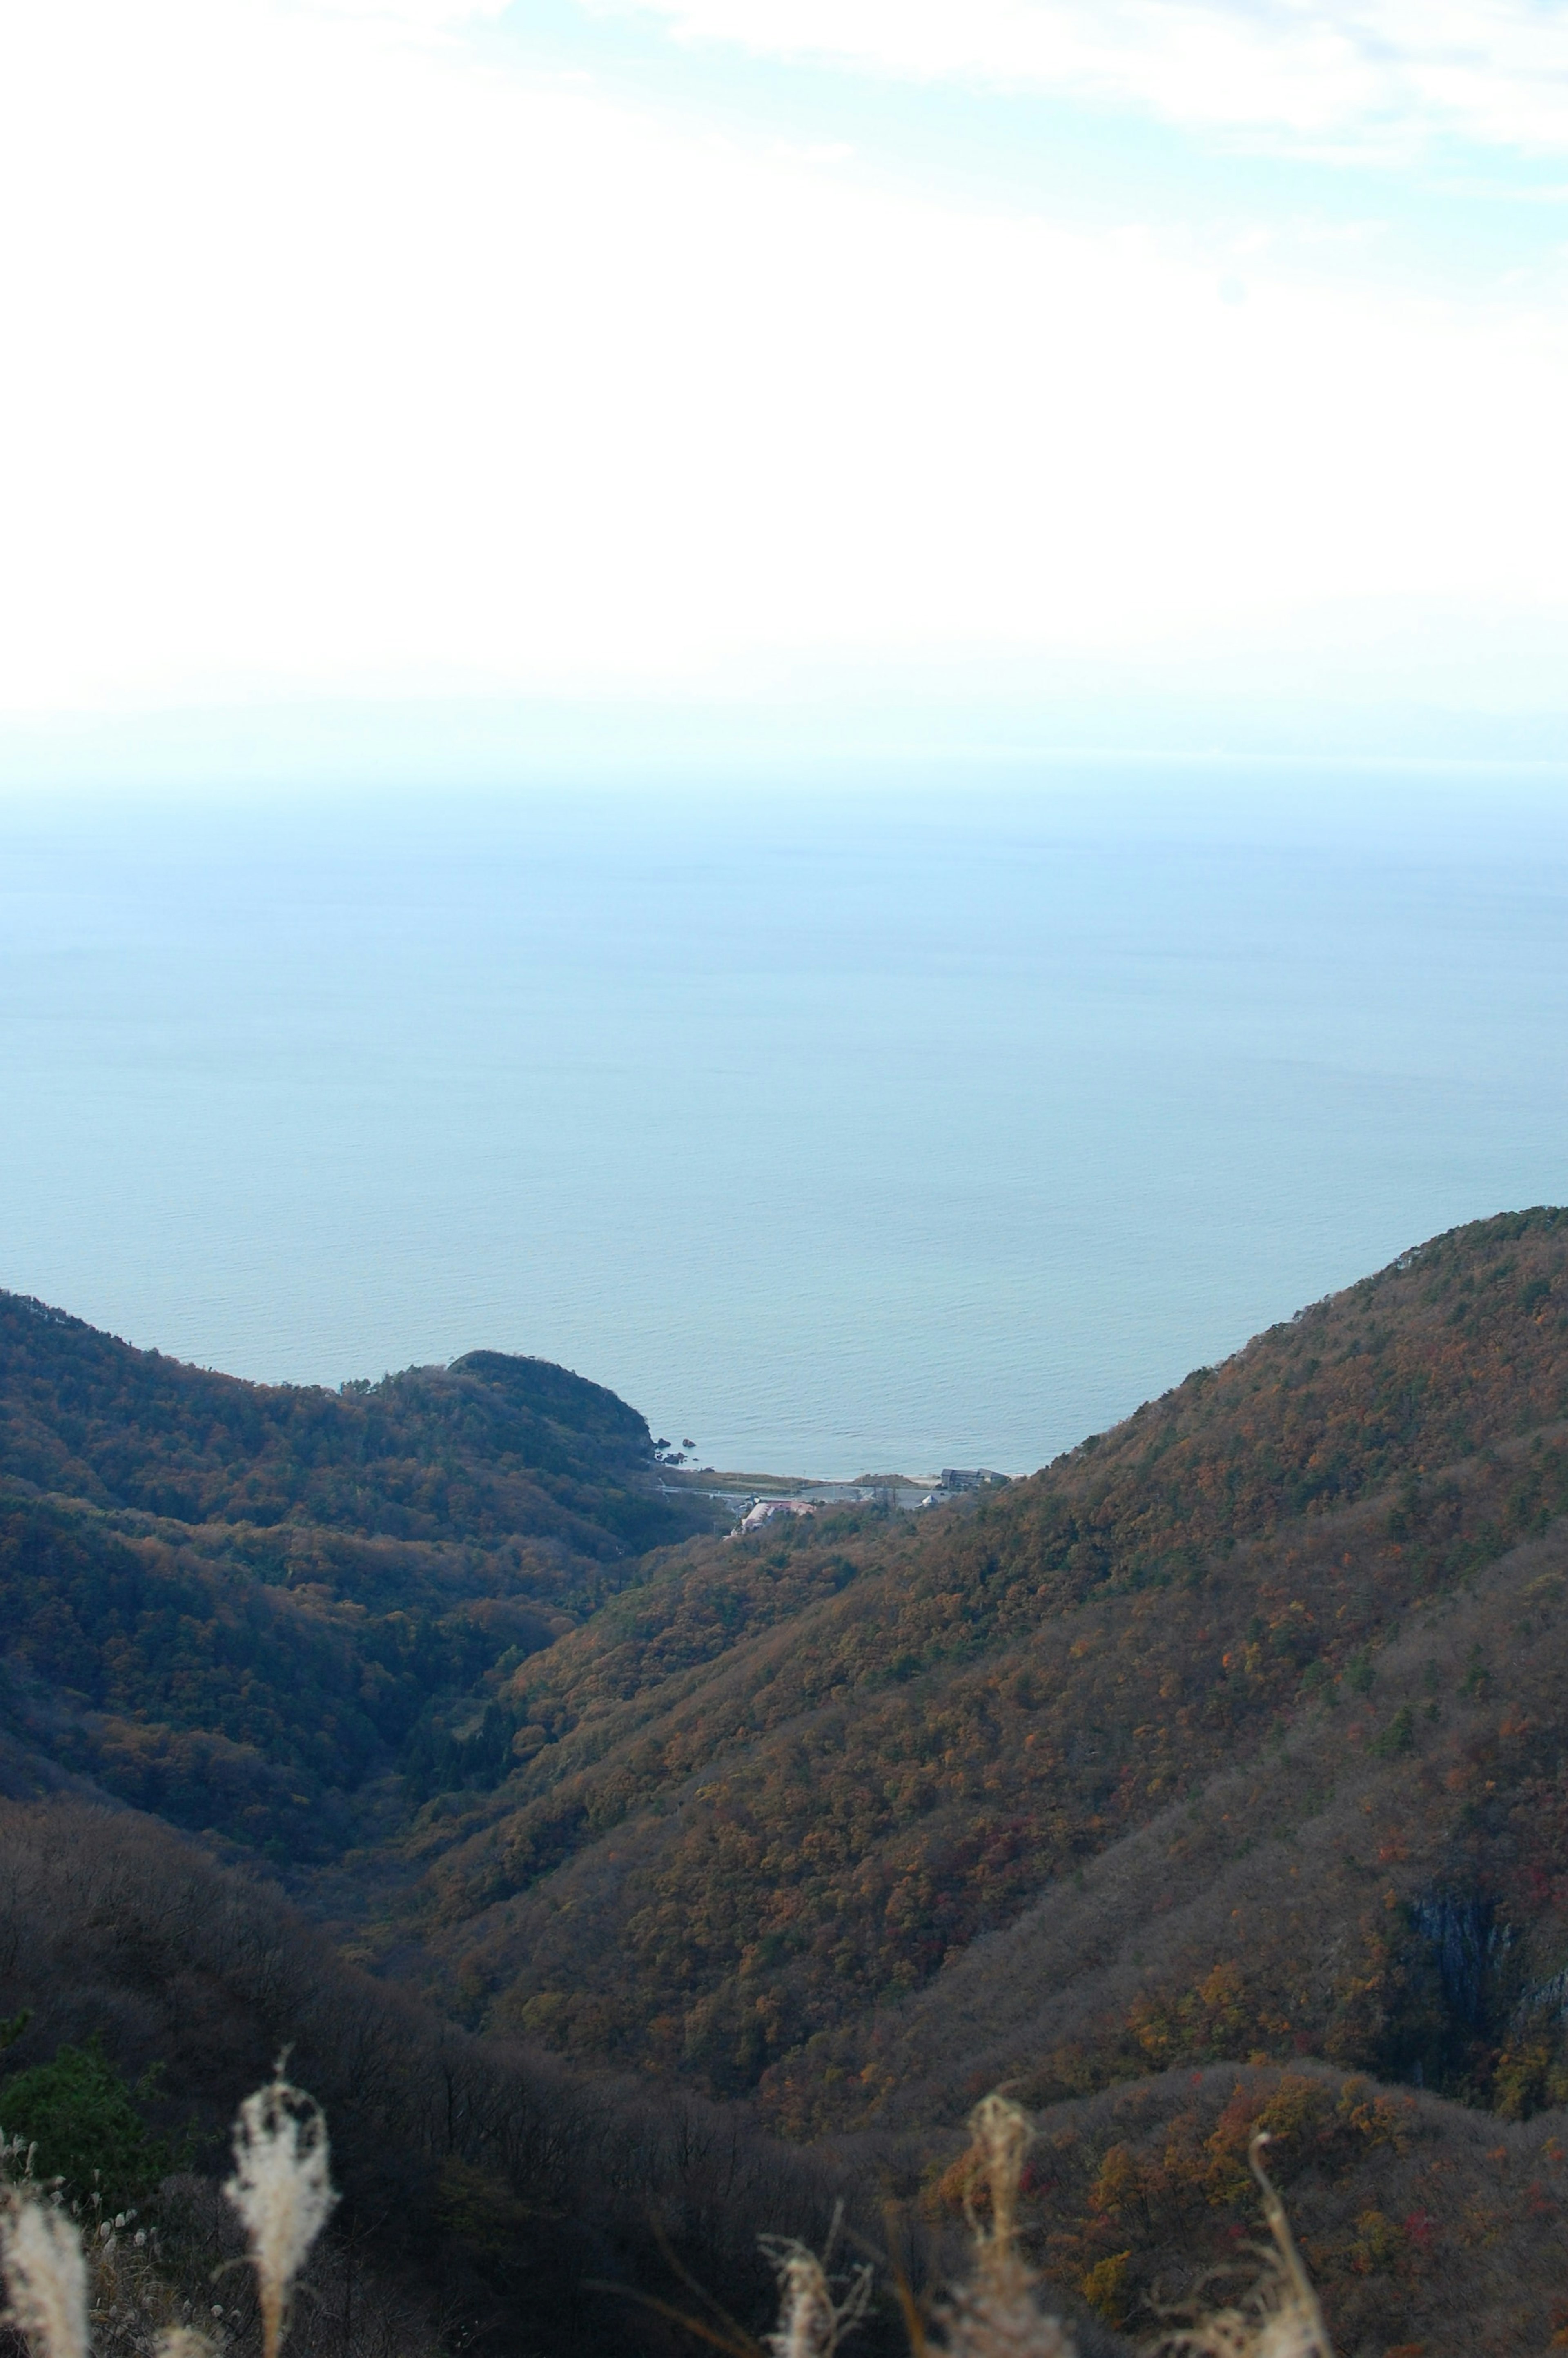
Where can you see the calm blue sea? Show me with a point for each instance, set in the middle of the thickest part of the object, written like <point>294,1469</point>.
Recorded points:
<point>884,1124</point>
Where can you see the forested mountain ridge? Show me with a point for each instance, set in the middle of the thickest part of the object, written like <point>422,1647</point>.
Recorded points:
<point>786,1781</point>
<point>241,1606</point>
<point>492,1446</point>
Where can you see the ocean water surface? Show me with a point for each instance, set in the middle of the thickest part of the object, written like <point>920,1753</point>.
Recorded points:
<point>880,1123</point>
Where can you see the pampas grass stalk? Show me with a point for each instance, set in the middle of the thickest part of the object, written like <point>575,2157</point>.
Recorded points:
<point>183,2341</point>
<point>1281,2317</point>
<point>46,2277</point>
<point>811,2322</point>
<point>995,2314</point>
<point>1307,2331</point>
<point>282,2192</point>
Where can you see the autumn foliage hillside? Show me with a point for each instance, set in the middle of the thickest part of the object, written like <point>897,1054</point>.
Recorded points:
<point>1425,2229</point>
<point>1216,1778</point>
<point>266,1612</point>
<point>770,1796</point>
<point>491,1447</point>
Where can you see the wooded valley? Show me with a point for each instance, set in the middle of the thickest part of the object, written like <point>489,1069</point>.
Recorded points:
<point>1216,1774</point>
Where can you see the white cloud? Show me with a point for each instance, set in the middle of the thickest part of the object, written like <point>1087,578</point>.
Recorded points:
<point>419,15</point>
<point>335,363</point>
<point>1384,71</point>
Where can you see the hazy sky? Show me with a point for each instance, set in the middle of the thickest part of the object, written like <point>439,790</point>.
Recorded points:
<point>1067,360</point>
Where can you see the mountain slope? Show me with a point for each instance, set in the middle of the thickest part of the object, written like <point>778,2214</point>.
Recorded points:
<point>720,1855</point>
<point>1215,1777</point>
<point>244,1607</point>
<point>1385,1883</point>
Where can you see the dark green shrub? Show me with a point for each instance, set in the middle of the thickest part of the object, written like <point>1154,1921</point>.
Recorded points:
<point>83,2116</point>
